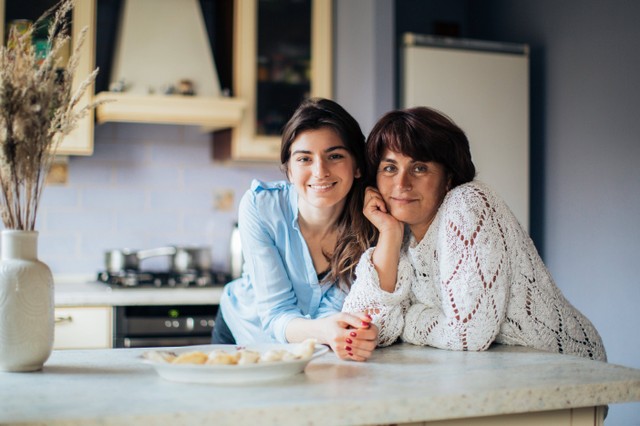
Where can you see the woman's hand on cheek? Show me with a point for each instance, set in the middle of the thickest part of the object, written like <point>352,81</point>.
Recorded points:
<point>375,210</point>
<point>351,336</point>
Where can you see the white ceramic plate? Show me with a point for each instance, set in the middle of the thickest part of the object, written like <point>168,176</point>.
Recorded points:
<point>233,374</point>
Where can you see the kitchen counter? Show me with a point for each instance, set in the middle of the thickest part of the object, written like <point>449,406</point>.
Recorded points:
<point>70,293</point>
<point>401,383</point>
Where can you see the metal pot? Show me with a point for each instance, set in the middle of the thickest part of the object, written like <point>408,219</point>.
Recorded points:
<point>183,259</point>
<point>191,258</point>
<point>118,260</point>
<point>121,260</point>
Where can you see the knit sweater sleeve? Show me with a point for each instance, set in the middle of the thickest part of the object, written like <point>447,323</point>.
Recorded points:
<point>386,309</point>
<point>471,281</point>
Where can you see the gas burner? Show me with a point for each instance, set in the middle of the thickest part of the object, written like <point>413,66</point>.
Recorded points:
<point>155,279</point>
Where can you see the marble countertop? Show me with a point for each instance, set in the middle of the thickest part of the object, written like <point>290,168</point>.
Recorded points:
<point>401,383</point>
<point>84,292</point>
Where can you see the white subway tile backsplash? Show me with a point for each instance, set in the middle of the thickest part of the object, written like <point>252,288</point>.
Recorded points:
<point>113,199</point>
<point>119,154</point>
<point>145,186</point>
<point>87,172</point>
<point>57,244</point>
<point>186,155</point>
<point>60,198</point>
<point>84,221</point>
<point>149,177</point>
<point>147,221</point>
<point>180,200</point>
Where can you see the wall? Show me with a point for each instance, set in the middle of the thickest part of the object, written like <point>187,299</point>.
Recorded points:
<point>585,196</point>
<point>364,58</point>
<point>585,150</point>
<point>145,186</point>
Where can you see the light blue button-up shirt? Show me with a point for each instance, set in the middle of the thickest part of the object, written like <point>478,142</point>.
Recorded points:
<point>279,282</point>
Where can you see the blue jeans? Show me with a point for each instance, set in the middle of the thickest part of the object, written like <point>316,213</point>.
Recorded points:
<point>221,335</point>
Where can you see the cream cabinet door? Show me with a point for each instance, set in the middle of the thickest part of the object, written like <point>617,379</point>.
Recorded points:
<point>80,140</point>
<point>83,328</point>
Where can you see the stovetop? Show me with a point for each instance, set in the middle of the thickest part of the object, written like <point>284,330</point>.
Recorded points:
<point>156,279</point>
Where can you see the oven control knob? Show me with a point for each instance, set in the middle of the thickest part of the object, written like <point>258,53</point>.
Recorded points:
<point>190,323</point>
<point>167,324</point>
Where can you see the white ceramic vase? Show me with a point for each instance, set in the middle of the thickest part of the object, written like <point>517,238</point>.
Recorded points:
<point>26,303</point>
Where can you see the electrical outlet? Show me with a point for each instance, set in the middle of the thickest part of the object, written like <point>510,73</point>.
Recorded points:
<point>223,200</point>
<point>58,173</point>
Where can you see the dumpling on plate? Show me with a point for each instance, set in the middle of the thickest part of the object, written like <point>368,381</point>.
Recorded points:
<point>272,355</point>
<point>305,349</point>
<point>288,356</point>
<point>195,357</point>
<point>246,356</point>
<point>220,357</point>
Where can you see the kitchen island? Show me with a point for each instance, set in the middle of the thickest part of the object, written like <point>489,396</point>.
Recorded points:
<point>399,384</point>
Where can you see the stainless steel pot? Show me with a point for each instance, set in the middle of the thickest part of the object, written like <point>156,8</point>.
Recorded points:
<point>121,260</point>
<point>191,258</point>
<point>183,259</point>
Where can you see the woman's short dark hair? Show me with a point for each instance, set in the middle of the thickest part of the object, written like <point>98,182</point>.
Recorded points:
<point>355,232</point>
<point>423,134</point>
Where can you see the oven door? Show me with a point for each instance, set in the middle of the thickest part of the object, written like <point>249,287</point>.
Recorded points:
<point>166,325</point>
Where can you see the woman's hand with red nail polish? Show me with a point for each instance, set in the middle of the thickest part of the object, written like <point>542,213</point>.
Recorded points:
<point>344,330</point>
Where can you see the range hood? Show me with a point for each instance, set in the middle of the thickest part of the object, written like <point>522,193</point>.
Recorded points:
<point>159,43</point>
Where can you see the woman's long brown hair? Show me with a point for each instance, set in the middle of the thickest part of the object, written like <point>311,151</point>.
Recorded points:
<point>355,232</point>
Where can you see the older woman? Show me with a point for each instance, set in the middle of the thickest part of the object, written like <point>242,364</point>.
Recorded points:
<point>453,268</point>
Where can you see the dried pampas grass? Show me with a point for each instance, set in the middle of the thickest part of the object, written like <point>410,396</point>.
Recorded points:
<point>37,109</point>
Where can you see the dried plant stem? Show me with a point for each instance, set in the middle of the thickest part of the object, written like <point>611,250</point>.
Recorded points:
<point>37,109</point>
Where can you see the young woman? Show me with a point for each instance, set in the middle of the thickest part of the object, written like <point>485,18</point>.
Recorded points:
<point>452,267</point>
<point>298,241</point>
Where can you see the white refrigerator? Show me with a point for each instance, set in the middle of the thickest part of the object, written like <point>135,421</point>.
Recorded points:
<point>484,88</point>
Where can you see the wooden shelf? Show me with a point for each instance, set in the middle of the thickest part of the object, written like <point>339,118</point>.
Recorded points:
<point>208,112</point>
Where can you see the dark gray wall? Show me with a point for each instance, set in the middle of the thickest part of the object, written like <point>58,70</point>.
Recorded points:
<point>585,122</point>
<point>585,150</point>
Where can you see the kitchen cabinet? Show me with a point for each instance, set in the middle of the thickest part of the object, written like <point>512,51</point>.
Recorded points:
<point>80,141</point>
<point>83,327</point>
<point>282,55</point>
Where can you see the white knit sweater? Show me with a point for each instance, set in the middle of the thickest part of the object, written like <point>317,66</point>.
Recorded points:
<point>475,278</point>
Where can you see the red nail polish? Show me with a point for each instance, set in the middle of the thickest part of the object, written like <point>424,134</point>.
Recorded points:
<point>347,348</point>
<point>365,324</point>
<point>353,334</point>
<point>348,340</point>
<point>369,316</point>
<point>350,354</point>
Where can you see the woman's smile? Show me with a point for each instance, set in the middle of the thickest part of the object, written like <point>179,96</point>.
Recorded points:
<point>322,187</point>
<point>402,200</point>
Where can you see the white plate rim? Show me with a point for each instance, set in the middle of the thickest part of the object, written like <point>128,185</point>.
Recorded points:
<point>232,374</point>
